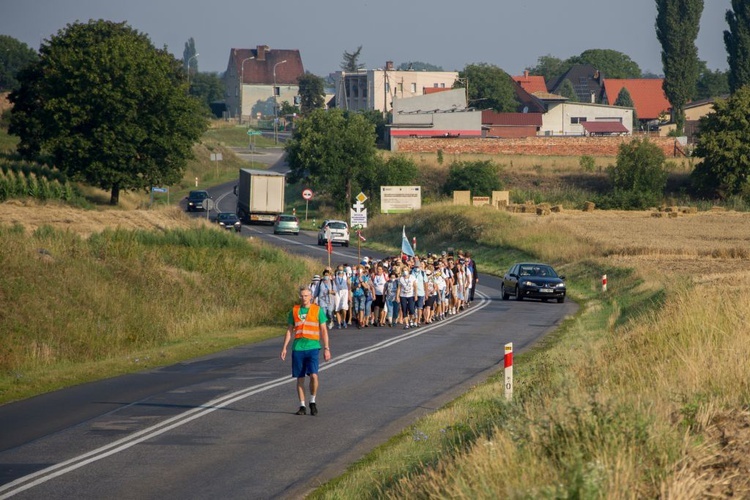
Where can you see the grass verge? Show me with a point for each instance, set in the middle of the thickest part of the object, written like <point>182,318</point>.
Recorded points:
<point>615,404</point>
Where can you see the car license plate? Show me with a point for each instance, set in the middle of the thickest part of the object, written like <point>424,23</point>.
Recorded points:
<point>545,290</point>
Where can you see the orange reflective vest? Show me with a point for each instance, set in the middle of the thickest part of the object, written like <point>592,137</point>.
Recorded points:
<point>308,328</point>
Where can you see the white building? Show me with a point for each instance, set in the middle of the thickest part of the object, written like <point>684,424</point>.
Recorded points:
<point>582,118</point>
<point>375,89</point>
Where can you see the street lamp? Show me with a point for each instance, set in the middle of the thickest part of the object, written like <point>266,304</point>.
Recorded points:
<point>276,106</point>
<point>188,68</point>
<point>242,83</point>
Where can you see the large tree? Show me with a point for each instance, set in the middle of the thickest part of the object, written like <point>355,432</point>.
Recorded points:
<point>108,108</point>
<point>737,42</point>
<point>190,56</point>
<point>418,66</point>
<point>724,146</point>
<point>611,63</point>
<point>677,25</point>
<point>489,87</point>
<point>334,152</point>
<point>566,89</point>
<point>14,55</point>
<point>311,92</point>
<point>550,67</point>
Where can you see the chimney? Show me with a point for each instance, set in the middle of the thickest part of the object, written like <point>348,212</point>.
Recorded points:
<point>261,52</point>
<point>389,65</point>
<point>526,73</point>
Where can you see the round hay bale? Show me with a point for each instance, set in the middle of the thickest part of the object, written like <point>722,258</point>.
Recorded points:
<point>542,211</point>
<point>556,209</point>
<point>589,206</point>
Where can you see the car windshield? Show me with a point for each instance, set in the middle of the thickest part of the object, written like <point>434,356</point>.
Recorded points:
<point>198,195</point>
<point>537,270</point>
<point>337,225</point>
<point>227,216</point>
<point>287,218</point>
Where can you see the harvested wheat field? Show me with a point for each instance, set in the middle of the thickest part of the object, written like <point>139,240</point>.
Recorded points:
<point>32,215</point>
<point>701,245</point>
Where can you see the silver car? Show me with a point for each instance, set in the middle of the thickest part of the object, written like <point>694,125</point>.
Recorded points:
<point>286,224</point>
<point>338,229</point>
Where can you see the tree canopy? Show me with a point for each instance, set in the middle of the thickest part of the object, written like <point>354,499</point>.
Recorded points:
<point>418,66</point>
<point>311,92</point>
<point>334,152</point>
<point>639,177</point>
<point>489,87</point>
<point>108,108</point>
<point>724,146</point>
<point>737,43</point>
<point>711,83</point>
<point>612,63</point>
<point>14,55</point>
<point>566,89</point>
<point>350,61</point>
<point>677,25</point>
<point>625,100</point>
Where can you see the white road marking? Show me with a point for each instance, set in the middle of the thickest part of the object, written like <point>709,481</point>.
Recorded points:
<point>42,476</point>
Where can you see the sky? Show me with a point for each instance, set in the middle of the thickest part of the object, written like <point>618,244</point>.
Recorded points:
<point>449,34</point>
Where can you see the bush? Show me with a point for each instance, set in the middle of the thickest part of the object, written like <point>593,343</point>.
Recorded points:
<point>587,163</point>
<point>479,177</point>
<point>639,177</point>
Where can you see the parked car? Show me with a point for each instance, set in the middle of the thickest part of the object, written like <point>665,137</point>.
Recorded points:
<point>196,200</point>
<point>339,232</point>
<point>229,220</point>
<point>286,223</point>
<point>539,281</point>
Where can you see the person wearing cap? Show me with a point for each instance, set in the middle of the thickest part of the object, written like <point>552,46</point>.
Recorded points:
<point>307,325</point>
<point>325,297</point>
<point>314,287</point>
<point>390,295</point>
<point>341,296</point>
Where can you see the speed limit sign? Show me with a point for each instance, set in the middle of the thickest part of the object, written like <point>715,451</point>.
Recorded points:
<point>307,194</point>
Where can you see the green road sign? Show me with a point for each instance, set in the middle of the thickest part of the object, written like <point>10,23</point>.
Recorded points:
<point>254,132</point>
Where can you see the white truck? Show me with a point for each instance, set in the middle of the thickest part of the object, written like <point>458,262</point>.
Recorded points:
<point>260,195</point>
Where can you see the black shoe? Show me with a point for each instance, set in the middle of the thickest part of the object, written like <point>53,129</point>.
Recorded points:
<point>313,409</point>
<point>303,411</point>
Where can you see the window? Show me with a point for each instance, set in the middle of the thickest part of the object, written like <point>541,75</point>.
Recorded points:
<point>413,88</point>
<point>577,119</point>
<point>442,85</point>
<point>401,87</point>
<point>387,88</point>
<point>435,85</point>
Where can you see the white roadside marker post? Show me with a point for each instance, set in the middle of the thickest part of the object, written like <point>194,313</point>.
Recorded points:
<point>604,283</point>
<point>509,371</point>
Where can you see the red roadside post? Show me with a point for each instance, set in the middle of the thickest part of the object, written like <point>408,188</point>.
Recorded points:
<point>509,371</point>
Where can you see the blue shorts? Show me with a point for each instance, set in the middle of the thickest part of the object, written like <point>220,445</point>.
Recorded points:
<point>420,302</point>
<point>305,362</point>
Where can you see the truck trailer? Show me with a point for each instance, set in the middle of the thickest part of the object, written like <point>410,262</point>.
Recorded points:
<point>260,195</point>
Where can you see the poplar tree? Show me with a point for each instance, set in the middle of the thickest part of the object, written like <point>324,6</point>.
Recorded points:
<point>677,25</point>
<point>737,43</point>
<point>625,100</point>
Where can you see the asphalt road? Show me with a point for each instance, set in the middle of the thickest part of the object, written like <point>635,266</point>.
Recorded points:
<point>223,426</point>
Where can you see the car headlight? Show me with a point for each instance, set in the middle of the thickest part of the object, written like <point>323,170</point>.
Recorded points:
<point>560,285</point>
<point>221,223</point>
<point>528,283</point>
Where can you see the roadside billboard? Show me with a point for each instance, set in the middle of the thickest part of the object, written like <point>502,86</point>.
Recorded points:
<point>398,199</point>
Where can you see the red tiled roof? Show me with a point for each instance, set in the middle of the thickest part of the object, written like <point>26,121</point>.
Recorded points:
<point>434,90</point>
<point>531,83</point>
<point>648,95</point>
<point>490,117</point>
<point>604,127</point>
<point>260,69</point>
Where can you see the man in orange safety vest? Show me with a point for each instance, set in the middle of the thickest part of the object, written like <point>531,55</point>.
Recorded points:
<point>307,323</point>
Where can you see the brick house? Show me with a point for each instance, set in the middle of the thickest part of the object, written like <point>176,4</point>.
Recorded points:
<point>256,78</point>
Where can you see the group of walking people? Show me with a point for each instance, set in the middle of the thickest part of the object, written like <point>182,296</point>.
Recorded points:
<point>407,291</point>
<point>397,291</point>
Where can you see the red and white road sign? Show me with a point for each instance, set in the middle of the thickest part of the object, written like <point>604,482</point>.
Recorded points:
<point>307,194</point>
<point>508,358</point>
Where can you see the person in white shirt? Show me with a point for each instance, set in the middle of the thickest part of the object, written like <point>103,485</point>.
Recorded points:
<point>407,285</point>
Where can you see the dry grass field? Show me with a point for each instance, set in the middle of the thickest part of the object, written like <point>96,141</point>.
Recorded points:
<point>700,247</point>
